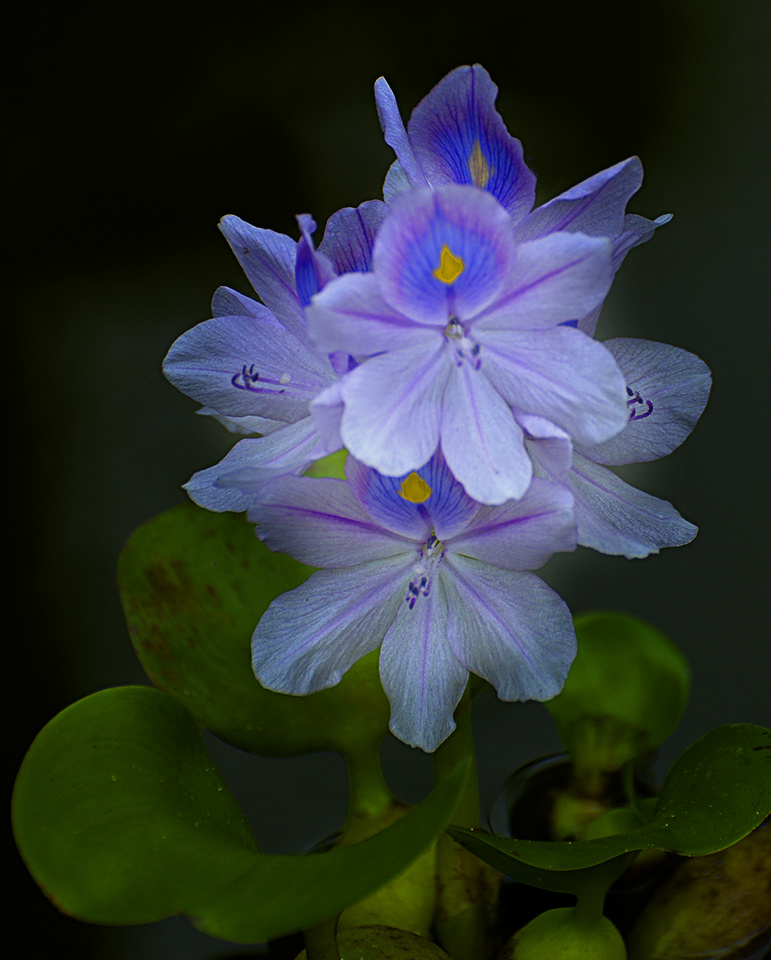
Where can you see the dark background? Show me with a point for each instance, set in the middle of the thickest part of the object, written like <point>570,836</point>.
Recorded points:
<point>133,131</point>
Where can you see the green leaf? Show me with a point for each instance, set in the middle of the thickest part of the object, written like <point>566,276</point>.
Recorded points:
<point>282,894</point>
<point>122,819</point>
<point>194,585</point>
<point>717,791</point>
<point>119,813</point>
<point>624,694</point>
<point>592,881</point>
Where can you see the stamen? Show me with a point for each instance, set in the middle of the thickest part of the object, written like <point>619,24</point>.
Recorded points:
<point>465,350</point>
<point>450,267</point>
<point>478,167</point>
<point>415,489</point>
<point>454,330</point>
<point>634,400</point>
<point>423,570</point>
<point>248,380</point>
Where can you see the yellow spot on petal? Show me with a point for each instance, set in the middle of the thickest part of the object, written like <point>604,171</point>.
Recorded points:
<point>450,267</point>
<point>415,489</point>
<point>478,167</point>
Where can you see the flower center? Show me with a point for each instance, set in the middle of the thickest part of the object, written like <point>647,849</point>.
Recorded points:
<point>423,571</point>
<point>450,267</point>
<point>464,349</point>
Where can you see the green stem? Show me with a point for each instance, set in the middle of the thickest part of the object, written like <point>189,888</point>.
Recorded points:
<point>466,890</point>
<point>321,941</point>
<point>368,793</point>
<point>457,747</point>
<point>590,904</point>
<point>597,881</point>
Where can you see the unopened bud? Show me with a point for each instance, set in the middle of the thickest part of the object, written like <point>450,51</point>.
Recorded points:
<point>568,935</point>
<point>375,942</point>
<point>710,907</point>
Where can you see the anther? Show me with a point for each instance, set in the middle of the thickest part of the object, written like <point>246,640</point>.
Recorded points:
<point>634,400</point>
<point>250,380</point>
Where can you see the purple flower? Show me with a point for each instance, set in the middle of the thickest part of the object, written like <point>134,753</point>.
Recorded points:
<point>253,365</point>
<point>465,330</point>
<point>667,390</point>
<point>412,564</point>
<point>455,135</point>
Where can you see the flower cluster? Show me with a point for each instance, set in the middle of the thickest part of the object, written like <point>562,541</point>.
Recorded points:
<point>444,338</point>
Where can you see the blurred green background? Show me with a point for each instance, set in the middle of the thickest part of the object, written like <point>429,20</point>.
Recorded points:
<point>133,130</point>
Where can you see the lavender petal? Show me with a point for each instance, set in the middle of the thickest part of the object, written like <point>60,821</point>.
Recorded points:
<point>509,628</point>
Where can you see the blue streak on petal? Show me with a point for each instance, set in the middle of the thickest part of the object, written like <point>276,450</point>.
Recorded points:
<point>449,507</point>
<point>381,497</point>
<point>459,137</point>
<point>349,236</point>
<point>312,269</point>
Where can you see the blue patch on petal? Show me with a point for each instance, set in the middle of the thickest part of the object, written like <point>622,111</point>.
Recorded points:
<point>305,273</point>
<point>443,253</point>
<point>459,137</point>
<point>382,498</point>
<point>443,512</point>
<point>449,507</point>
<point>569,323</point>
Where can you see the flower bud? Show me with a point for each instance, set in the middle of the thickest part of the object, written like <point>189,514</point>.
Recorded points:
<point>710,907</point>
<point>408,900</point>
<point>566,934</point>
<point>376,942</point>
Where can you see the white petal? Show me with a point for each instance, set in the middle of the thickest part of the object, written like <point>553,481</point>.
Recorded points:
<point>481,442</point>
<point>309,637</point>
<point>509,628</point>
<point>616,518</point>
<point>318,522</point>
<point>421,676</point>
<point>521,534</point>
<point>668,390</point>
<point>393,406</point>
<point>561,375</point>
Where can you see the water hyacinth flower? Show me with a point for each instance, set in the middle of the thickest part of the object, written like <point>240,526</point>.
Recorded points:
<point>253,366</point>
<point>414,566</point>
<point>667,390</point>
<point>466,331</point>
<point>455,135</point>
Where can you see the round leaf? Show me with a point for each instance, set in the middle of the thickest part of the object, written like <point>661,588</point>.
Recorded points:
<point>119,813</point>
<point>625,692</point>
<point>194,584</point>
<point>122,819</point>
<point>717,791</point>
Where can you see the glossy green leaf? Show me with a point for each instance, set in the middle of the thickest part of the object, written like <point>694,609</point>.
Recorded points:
<point>592,881</point>
<point>194,584</point>
<point>119,813</point>
<point>282,894</point>
<point>624,694</point>
<point>717,791</point>
<point>122,818</point>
